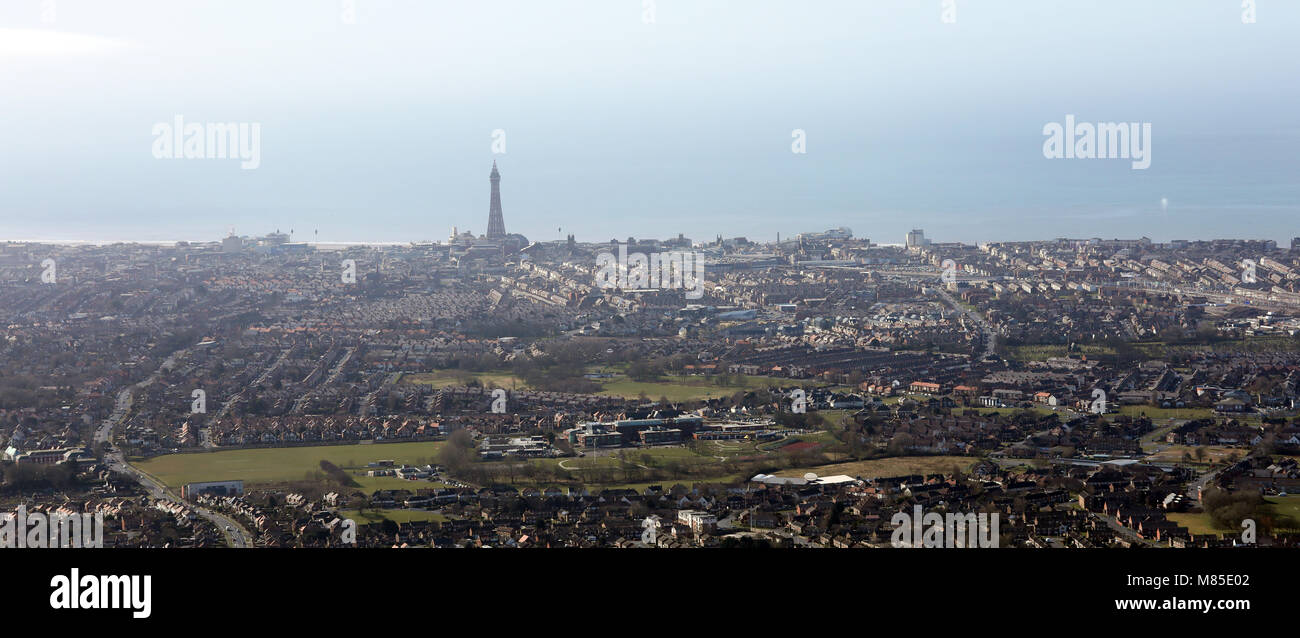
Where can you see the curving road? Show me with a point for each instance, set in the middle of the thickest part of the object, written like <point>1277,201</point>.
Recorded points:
<point>236,535</point>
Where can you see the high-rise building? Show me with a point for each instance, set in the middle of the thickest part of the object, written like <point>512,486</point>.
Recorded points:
<point>232,244</point>
<point>916,239</point>
<point>496,228</point>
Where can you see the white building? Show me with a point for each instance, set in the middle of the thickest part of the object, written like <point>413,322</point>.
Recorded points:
<point>699,522</point>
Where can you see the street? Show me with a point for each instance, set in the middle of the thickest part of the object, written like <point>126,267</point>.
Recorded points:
<point>236,535</point>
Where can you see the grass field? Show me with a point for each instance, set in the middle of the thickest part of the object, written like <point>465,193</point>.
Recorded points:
<point>394,515</point>
<point>1214,454</point>
<point>1285,505</point>
<point>700,462</point>
<point>1200,523</point>
<point>686,388</point>
<point>1196,523</point>
<point>643,457</point>
<point>1261,343</point>
<point>275,465</point>
<point>1156,437</point>
<point>1158,349</point>
<point>676,388</point>
<point>1154,413</point>
<point>444,378</point>
<point>893,466</point>
<point>371,483</point>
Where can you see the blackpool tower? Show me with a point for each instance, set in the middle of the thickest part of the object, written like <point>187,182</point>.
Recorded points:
<point>496,223</point>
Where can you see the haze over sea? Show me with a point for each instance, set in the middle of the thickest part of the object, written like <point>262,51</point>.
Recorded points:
<point>380,130</point>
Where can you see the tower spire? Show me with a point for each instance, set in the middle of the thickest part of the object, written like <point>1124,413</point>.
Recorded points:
<point>496,228</point>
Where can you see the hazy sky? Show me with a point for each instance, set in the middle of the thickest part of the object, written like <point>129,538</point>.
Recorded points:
<point>381,129</point>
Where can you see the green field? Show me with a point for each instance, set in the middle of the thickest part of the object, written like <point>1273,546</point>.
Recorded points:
<point>652,457</point>
<point>371,483</point>
<point>687,388</point>
<point>675,388</point>
<point>1200,523</point>
<point>1154,413</point>
<point>394,515</point>
<point>700,463</point>
<point>1196,523</point>
<point>1213,454</point>
<point>277,465</point>
<point>1156,437</point>
<point>444,378</point>
<point>1260,343</point>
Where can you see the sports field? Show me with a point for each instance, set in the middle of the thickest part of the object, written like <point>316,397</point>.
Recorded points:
<point>676,388</point>
<point>275,465</point>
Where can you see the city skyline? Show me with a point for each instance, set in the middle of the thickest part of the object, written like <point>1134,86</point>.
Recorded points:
<point>496,232</point>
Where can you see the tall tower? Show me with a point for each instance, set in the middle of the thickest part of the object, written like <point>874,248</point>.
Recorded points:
<point>496,223</point>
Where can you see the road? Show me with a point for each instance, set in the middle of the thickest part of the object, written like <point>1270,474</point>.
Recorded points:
<point>235,534</point>
<point>990,337</point>
<point>125,397</point>
<point>261,378</point>
<point>1194,488</point>
<point>1126,532</point>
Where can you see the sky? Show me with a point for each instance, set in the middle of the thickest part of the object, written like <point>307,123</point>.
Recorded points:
<point>648,118</point>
